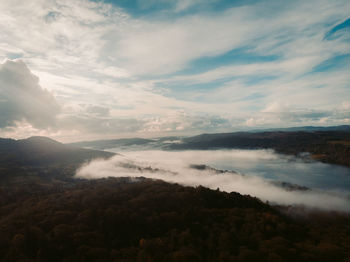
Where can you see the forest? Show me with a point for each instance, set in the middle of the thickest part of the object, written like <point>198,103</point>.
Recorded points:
<point>48,215</point>
<point>146,220</point>
<point>327,146</point>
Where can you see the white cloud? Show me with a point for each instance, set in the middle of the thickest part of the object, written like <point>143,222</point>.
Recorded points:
<point>165,47</point>
<point>159,47</point>
<point>23,99</point>
<point>174,167</point>
<point>93,53</point>
<point>277,114</point>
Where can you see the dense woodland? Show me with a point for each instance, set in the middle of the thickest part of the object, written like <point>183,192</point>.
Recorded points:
<point>43,151</point>
<point>127,220</point>
<point>41,159</point>
<point>327,146</point>
<point>48,215</point>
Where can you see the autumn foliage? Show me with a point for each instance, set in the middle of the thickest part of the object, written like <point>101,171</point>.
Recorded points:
<point>127,220</point>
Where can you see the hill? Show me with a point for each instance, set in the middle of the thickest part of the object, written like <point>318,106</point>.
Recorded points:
<point>327,146</point>
<point>111,143</point>
<point>48,215</point>
<point>345,128</point>
<point>126,143</point>
<point>142,220</point>
<point>42,156</point>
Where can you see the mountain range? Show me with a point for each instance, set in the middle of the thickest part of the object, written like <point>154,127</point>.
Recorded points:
<point>326,144</point>
<point>42,157</point>
<point>44,151</point>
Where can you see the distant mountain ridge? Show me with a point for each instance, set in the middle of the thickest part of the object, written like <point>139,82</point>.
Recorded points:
<point>125,142</point>
<point>328,144</point>
<point>167,142</point>
<point>307,129</point>
<point>110,143</point>
<point>41,151</point>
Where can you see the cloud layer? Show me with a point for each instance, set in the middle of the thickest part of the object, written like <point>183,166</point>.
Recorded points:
<point>183,67</point>
<point>175,167</point>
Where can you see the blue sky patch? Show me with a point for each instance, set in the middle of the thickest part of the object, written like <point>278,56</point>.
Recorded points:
<point>236,56</point>
<point>333,63</point>
<point>344,25</point>
<point>142,8</point>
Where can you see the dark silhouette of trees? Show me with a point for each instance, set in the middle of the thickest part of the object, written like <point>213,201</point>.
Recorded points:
<point>122,220</point>
<point>327,146</point>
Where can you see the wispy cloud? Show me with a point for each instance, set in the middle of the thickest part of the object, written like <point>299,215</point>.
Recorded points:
<point>147,61</point>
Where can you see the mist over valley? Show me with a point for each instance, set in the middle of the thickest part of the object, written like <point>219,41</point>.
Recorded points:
<point>174,130</point>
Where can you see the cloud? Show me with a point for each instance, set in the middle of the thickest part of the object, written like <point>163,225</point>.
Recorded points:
<point>162,47</point>
<point>340,27</point>
<point>23,99</point>
<point>97,110</point>
<point>175,167</point>
<point>138,61</point>
<point>276,114</point>
<point>178,121</point>
<point>291,31</point>
<point>91,124</point>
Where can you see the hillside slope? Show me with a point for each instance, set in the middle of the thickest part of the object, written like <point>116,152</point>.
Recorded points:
<point>327,146</point>
<point>42,155</point>
<point>127,220</point>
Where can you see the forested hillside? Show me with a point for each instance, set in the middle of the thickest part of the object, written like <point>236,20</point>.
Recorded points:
<point>144,220</point>
<point>42,157</point>
<point>327,146</point>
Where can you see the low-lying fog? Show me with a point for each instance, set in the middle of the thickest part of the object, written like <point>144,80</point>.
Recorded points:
<point>254,172</point>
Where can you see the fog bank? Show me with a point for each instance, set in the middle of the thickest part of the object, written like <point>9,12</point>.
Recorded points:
<point>177,167</point>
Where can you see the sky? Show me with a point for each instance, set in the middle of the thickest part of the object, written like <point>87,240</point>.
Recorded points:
<point>84,69</point>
